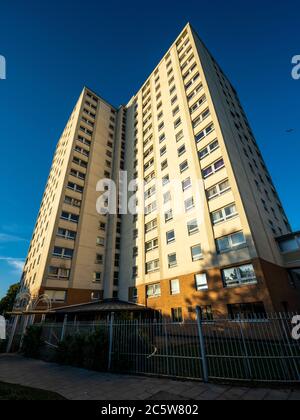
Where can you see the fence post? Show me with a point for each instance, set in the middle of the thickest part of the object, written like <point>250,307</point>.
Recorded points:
<point>166,343</point>
<point>111,327</point>
<point>25,325</point>
<point>246,354</point>
<point>12,334</point>
<point>64,327</point>
<point>202,345</point>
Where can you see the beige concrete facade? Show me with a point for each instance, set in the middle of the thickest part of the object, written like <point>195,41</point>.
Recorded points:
<point>186,124</point>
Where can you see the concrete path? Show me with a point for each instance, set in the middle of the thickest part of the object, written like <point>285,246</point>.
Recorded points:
<point>80,384</point>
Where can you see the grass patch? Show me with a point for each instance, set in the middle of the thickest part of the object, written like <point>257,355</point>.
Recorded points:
<point>10,392</point>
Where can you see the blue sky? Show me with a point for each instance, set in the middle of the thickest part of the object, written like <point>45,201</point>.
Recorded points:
<point>54,48</point>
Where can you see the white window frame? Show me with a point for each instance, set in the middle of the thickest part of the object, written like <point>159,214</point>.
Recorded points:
<point>174,287</point>
<point>195,229</point>
<point>239,280</point>
<point>155,264</point>
<point>225,216</point>
<point>205,132</point>
<point>175,264</point>
<point>231,246</point>
<point>173,238</point>
<point>196,257</point>
<point>213,167</point>
<point>219,192</point>
<point>209,149</point>
<point>156,288</point>
<point>201,282</point>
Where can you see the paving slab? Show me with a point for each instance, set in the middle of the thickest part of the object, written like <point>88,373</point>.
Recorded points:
<point>80,384</point>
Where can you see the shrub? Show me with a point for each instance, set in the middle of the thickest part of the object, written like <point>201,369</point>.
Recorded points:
<point>89,351</point>
<point>32,342</point>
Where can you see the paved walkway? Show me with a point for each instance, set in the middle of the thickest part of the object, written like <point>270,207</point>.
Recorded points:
<point>80,384</point>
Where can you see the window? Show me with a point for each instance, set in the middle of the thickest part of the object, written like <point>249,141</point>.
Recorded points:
<point>162,137</point>
<point>218,189</point>
<point>100,241</point>
<point>186,184</point>
<point>165,180</point>
<point>97,277</point>
<point>174,287</point>
<point>148,164</point>
<point>201,118</point>
<point>181,150</point>
<point>189,204</point>
<point>56,295</point>
<point>72,201</point>
<point>151,226</point>
<point>184,166</point>
<point>289,245</point>
<point>151,208</point>
<point>134,272</point>
<point>172,260</point>
<point>209,129</point>
<point>172,90</point>
<point>65,253</point>
<point>212,169</point>
<point>164,165</point>
<point>99,259</point>
<point>153,290</point>
<point>201,282</point>
<point>59,273</point>
<point>177,123</point>
<point>96,295</point>
<point>191,69</point>
<point>192,81</point>
<point>192,227</point>
<point>195,91</point>
<point>161,126</point>
<point>179,136</point>
<point>66,234</point>
<point>69,217</point>
<point>175,111</point>
<point>196,252</point>
<point>102,226</point>
<point>168,216</point>
<point>254,310</point>
<point>206,313</point>
<point>77,174</point>
<point>177,314</point>
<point>174,99</point>
<point>230,242</point>
<point>150,192</point>
<point>151,245</point>
<point>152,266</point>
<point>170,236</point>
<point>167,197</point>
<point>163,151</point>
<point>75,187</point>
<point>209,149</point>
<point>238,276</point>
<point>224,214</point>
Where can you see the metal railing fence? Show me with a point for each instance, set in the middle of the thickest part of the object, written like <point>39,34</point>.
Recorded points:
<point>256,349</point>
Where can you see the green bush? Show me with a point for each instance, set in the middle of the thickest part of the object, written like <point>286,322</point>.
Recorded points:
<point>32,342</point>
<point>89,351</point>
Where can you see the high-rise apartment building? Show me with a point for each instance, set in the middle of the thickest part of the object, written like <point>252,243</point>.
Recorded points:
<point>186,123</point>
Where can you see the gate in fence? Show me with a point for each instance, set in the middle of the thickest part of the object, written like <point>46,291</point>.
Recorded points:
<point>261,350</point>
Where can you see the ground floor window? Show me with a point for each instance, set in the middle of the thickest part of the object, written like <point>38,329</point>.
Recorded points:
<point>247,310</point>
<point>177,314</point>
<point>206,313</point>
